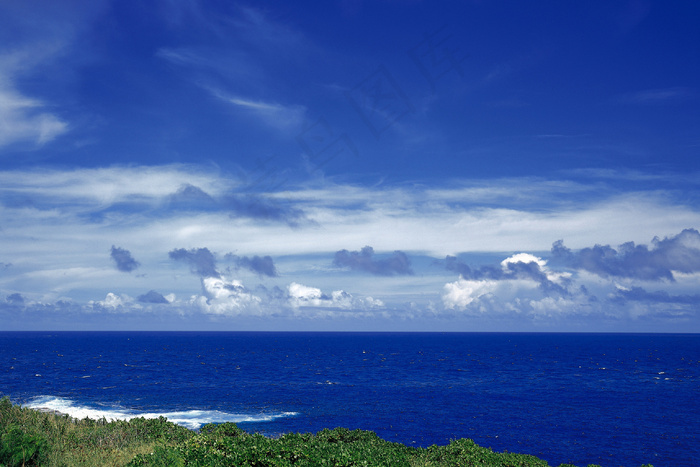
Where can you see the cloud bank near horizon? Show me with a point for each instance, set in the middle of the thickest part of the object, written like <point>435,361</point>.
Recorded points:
<point>521,288</point>
<point>305,271</point>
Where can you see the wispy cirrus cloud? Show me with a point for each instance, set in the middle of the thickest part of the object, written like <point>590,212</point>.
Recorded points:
<point>272,114</point>
<point>263,208</point>
<point>658,96</point>
<point>248,65</point>
<point>110,185</point>
<point>36,41</point>
<point>24,118</point>
<point>259,29</point>
<point>201,206</point>
<point>238,73</point>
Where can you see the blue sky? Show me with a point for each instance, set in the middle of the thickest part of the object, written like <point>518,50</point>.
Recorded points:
<point>349,165</point>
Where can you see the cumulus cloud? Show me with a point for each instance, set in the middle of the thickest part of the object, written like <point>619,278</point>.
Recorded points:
<point>680,253</point>
<point>556,307</point>
<point>462,292</point>
<point>398,263</point>
<point>62,200</point>
<point>261,265</point>
<point>519,284</point>
<point>524,286</point>
<point>201,261</point>
<point>300,295</point>
<point>222,297</point>
<point>521,266</point>
<point>123,259</point>
<point>522,300</point>
<point>152,297</point>
<point>113,303</point>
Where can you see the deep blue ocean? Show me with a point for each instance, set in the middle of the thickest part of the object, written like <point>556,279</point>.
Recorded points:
<point>609,399</point>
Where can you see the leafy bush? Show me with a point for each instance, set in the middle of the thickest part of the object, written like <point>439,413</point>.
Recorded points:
<point>29,437</point>
<point>222,429</point>
<point>162,456</point>
<point>19,448</point>
<point>158,428</point>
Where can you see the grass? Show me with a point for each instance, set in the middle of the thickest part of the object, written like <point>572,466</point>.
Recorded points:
<point>29,437</point>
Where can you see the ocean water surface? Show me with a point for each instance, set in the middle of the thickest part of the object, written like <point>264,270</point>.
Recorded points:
<point>609,399</point>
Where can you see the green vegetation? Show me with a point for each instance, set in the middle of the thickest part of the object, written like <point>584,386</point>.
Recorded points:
<point>29,437</point>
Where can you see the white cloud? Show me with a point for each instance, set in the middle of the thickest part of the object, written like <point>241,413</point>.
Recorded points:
<point>462,292</point>
<point>505,294</point>
<point>108,185</point>
<point>58,249</point>
<point>255,27</point>
<point>523,258</point>
<point>114,302</point>
<point>303,293</point>
<point>548,307</point>
<point>251,38</point>
<point>542,265</point>
<point>272,114</point>
<point>53,28</point>
<point>304,296</point>
<point>404,218</point>
<point>658,96</point>
<point>223,297</point>
<point>513,297</point>
<point>26,119</point>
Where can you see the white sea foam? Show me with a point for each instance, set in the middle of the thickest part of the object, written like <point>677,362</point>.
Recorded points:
<point>192,419</point>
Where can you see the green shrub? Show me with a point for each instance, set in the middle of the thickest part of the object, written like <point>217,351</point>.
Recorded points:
<point>29,437</point>
<point>222,429</point>
<point>158,428</point>
<point>19,448</point>
<point>162,456</point>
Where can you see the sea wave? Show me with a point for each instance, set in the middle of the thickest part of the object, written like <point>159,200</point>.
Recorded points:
<point>192,419</point>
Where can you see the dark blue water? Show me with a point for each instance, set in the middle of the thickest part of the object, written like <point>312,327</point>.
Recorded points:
<point>610,399</point>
